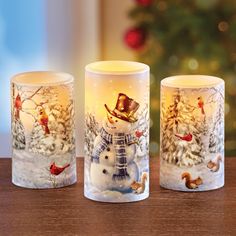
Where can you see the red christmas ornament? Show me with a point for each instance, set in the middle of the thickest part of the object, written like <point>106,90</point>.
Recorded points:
<point>144,3</point>
<point>135,38</point>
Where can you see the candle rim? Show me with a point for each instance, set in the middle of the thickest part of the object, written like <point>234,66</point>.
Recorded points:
<point>140,67</point>
<point>214,81</point>
<point>28,78</point>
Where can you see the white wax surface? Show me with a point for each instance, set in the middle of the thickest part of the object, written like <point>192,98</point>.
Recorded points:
<point>191,81</point>
<point>116,67</point>
<point>42,78</point>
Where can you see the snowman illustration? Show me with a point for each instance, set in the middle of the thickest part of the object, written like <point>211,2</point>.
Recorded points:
<point>112,162</point>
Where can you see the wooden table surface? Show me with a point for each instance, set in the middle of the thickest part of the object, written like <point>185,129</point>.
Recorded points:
<point>65,211</point>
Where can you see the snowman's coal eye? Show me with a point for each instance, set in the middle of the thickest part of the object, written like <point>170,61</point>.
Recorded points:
<point>111,117</point>
<point>116,120</point>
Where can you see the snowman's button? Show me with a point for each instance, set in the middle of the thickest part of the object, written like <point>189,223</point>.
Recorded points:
<point>104,171</point>
<point>106,157</point>
<point>120,142</point>
<point>108,149</point>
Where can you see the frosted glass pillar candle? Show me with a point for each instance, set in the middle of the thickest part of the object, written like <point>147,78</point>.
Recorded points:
<point>43,139</point>
<point>117,131</point>
<point>192,133</point>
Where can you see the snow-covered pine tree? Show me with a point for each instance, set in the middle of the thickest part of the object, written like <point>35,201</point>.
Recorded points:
<point>217,133</point>
<point>61,125</point>
<point>39,142</point>
<point>143,125</point>
<point>18,135</point>
<point>91,131</point>
<point>199,129</point>
<point>179,119</point>
<point>69,116</point>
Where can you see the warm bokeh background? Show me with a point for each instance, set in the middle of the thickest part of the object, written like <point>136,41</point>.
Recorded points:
<point>187,37</point>
<point>172,36</point>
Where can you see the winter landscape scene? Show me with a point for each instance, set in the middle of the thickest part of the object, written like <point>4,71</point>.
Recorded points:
<point>192,138</point>
<point>43,136</point>
<point>116,148</point>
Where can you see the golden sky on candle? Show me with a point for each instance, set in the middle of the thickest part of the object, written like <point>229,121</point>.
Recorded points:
<point>104,89</point>
<point>30,107</point>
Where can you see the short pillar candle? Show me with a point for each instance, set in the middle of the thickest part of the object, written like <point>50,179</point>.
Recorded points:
<point>117,131</point>
<point>43,139</point>
<point>192,133</point>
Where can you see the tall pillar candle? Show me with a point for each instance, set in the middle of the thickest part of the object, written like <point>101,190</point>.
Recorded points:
<point>43,138</point>
<point>192,133</point>
<point>117,131</point>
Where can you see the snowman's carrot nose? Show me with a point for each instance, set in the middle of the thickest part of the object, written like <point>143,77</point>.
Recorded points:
<point>110,119</point>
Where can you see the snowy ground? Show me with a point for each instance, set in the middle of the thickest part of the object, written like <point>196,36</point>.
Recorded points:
<point>32,170</point>
<point>170,175</point>
<point>115,196</point>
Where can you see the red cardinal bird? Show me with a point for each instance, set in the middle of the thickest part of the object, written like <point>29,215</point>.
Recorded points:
<point>138,134</point>
<point>18,106</point>
<point>43,120</point>
<point>187,137</point>
<point>201,104</point>
<point>55,170</point>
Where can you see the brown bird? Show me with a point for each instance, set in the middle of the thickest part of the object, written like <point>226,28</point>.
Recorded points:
<point>189,183</point>
<point>214,166</point>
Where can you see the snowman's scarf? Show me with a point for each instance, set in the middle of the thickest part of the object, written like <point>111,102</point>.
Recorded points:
<point>119,140</point>
<point>121,160</point>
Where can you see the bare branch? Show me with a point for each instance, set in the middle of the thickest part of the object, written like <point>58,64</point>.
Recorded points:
<point>30,97</point>
<point>28,113</point>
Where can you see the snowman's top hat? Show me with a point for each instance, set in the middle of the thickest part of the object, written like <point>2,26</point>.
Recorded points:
<point>125,108</point>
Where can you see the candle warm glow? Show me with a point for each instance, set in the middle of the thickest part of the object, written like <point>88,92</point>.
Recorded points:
<point>111,84</point>
<point>116,67</point>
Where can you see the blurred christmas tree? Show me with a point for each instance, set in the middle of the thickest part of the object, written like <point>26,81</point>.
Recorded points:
<point>187,37</point>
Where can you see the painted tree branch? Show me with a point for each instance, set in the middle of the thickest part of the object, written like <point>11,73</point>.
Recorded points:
<point>30,97</point>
